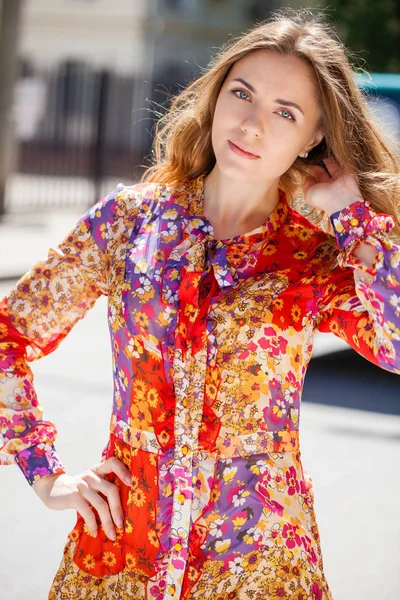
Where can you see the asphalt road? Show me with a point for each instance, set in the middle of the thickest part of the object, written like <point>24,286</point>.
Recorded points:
<point>350,441</point>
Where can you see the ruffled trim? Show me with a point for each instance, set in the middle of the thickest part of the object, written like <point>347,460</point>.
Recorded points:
<point>195,270</point>
<point>29,440</point>
<point>359,223</point>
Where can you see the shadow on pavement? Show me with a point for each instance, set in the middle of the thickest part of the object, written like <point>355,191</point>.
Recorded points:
<point>348,380</point>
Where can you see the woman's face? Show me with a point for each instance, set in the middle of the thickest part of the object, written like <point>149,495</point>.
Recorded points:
<point>253,114</point>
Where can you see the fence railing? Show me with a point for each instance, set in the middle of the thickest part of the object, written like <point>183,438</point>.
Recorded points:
<point>78,127</point>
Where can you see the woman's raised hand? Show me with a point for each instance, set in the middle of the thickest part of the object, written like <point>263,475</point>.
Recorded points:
<point>62,491</point>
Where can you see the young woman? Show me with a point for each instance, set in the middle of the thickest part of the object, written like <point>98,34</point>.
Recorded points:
<point>215,284</point>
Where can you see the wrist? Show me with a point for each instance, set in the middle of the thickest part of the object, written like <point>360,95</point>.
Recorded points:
<point>44,481</point>
<point>38,461</point>
<point>338,206</point>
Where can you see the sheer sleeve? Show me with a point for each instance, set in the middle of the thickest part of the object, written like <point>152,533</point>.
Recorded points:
<point>360,304</point>
<point>35,316</point>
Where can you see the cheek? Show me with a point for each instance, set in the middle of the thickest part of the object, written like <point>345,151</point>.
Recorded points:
<point>222,117</point>
<point>219,130</point>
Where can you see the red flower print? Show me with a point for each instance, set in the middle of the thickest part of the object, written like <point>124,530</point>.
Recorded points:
<point>316,592</point>
<point>39,452</point>
<point>275,507</point>
<point>292,481</point>
<point>291,536</point>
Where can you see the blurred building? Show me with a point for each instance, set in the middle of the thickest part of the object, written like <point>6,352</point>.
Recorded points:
<point>94,71</point>
<point>130,36</point>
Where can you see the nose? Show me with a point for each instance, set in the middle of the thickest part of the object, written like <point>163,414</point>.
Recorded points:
<point>252,126</point>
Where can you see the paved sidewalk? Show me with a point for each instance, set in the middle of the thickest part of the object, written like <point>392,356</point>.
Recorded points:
<point>26,238</point>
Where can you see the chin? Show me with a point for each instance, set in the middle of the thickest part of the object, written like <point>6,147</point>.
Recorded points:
<point>238,172</point>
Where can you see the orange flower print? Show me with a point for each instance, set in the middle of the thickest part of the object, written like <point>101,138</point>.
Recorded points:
<point>128,526</point>
<point>139,389</point>
<point>300,593</point>
<point>304,234</point>
<point>330,288</point>
<point>251,562</point>
<point>296,357</point>
<point>163,437</point>
<point>296,312</point>
<point>141,416</point>
<point>192,574</point>
<point>109,559</point>
<point>89,562</point>
<point>74,535</point>
<point>137,497</point>
<point>191,312</point>
<point>159,256</point>
<point>269,249</point>
<point>236,254</point>
<point>334,326</point>
<point>369,338</point>
<point>277,590</point>
<point>126,456</point>
<point>182,330</point>
<point>278,304</point>
<point>45,302</point>
<point>153,539</point>
<point>289,230</point>
<point>300,255</point>
<point>152,397</point>
<point>130,561</point>
<point>215,494</point>
<point>142,320</point>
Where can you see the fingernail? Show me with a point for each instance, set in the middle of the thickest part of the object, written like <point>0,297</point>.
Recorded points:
<point>120,522</point>
<point>128,481</point>
<point>94,533</point>
<point>111,535</point>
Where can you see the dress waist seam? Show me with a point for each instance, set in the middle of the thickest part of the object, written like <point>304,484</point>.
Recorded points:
<point>229,447</point>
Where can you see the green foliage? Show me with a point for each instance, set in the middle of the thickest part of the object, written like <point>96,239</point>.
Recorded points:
<point>370,28</point>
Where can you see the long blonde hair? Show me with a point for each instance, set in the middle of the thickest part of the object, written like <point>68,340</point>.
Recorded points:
<point>182,148</point>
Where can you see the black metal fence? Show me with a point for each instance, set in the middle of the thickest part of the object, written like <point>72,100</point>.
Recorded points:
<point>78,128</point>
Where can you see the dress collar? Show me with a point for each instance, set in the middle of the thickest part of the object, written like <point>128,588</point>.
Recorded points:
<point>271,224</point>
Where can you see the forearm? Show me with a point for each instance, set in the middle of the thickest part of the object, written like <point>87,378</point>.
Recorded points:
<point>366,254</point>
<point>365,246</point>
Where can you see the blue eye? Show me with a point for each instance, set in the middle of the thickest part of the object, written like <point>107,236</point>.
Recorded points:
<point>237,92</point>
<point>289,113</point>
<point>240,92</point>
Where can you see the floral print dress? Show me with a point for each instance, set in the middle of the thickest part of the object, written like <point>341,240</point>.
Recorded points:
<point>211,342</point>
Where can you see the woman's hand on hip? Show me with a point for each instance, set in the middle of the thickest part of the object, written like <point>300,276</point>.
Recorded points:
<point>62,491</point>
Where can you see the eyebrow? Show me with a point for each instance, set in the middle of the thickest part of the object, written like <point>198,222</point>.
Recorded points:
<point>278,100</point>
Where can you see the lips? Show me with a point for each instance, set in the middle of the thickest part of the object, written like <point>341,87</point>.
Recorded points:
<point>244,150</point>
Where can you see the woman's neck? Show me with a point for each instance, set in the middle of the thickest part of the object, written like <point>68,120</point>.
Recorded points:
<point>234,207</point>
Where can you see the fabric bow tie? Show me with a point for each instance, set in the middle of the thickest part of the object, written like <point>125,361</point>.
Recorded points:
<point>196,269</point>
